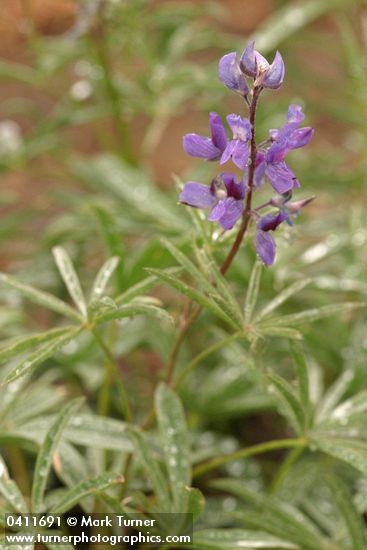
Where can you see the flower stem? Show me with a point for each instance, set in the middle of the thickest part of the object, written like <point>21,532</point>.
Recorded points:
<point>188,319</point>
<point>249,451</point>
<point>113,373</point>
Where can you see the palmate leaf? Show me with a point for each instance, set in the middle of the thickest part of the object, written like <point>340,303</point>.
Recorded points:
<point>41,354</point>
<point>230,539</point>
<point>102,278</point>
<point>70,278</point>
<point>10,491</point>
<point>40,297</point>
<point>45,455</point>
<point>273,515</point>
<point>83,489</point>
<point>175,439</point>
<point>195,295</point>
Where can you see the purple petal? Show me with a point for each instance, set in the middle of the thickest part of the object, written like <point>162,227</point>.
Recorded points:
<point>234,189</point>
<point>230,74</point>
<point>227,212</point>
<point>219,136</point>
<point>260,167</point>
<point>197,194</point>
<point>200,146</point>
<point>248,60</point>
<point>295,114</point>
<point>281,177</point>
<point>238,151</point>
<point>271,221</point>
<point>241,127</point>
<point>240,154</point>
<point>300,137</point>
<point>277,151</point>
<point>265,247</point>
<point>217,212</point>
<point>275,75</point>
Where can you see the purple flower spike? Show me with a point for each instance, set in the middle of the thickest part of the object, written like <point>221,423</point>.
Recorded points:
<point>226,204</point>
<point>229,73</point>
<point>207,148</point>
<point>253,64</point>
<point>238,148</point>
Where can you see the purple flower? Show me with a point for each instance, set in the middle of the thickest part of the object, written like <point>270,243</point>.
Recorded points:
<point>264,242</point>
<point>253,64</point>
<point>238,148</point>
<point>230,74</point>
<point>271,163</point>
<point>204,147</point>
<point>226,204</point>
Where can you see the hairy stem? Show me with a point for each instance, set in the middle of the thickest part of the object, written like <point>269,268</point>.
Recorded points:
<point>292,457</point>
<point>249,451</point>
<point>188,319</point>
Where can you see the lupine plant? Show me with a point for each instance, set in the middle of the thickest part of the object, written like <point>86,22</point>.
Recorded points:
<point>194,376</point>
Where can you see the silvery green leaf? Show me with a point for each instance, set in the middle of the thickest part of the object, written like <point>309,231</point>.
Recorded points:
<point>282,297</point>
<point>46,453</point>
<point>41,354</point>
<point>102,278</point>
<point>252,291</point>
<point>10,490</point>
<point>287,401</point>
<point>40,297</point>
<point>195,295</point>
<point>175,439</point>
<point>230,539</point>
<point>70,278</point>
<point>152,470</point>
<point>83,489</point>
